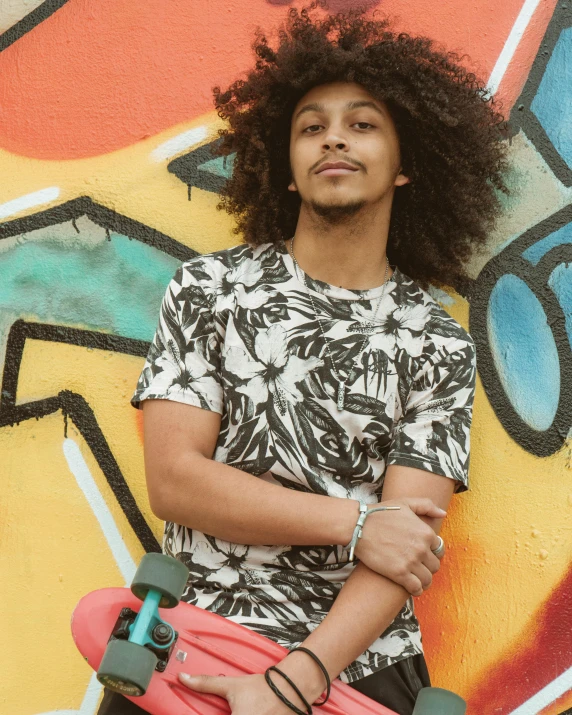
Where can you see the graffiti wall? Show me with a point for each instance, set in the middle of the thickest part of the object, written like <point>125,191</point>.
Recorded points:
<point>108,184</point>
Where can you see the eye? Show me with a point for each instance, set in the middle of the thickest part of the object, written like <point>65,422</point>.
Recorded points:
<point>312,126</point>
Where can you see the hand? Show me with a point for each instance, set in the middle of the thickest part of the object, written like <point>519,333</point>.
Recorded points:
<point>397,544</point>
<point>245,695</point>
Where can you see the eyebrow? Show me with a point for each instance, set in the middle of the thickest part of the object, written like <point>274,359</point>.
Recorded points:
<point>355,104</point>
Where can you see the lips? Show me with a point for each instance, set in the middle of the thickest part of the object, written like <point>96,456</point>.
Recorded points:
<point>337,167</point>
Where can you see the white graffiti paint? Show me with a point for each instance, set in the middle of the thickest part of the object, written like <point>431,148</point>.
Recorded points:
<point>182,142</point>
<point>13,11</point>
<point>28,201</point>
<point>512,42</point>
<point>562,684</point>
<point>90,700</point>
<point>88,486</point>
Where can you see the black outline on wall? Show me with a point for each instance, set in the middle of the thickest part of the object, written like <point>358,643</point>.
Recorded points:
<point>29,22</point>
<point>522,116</point>
<point>73,405</point>
<point>511,261</point>
<point>186,168</point>
<point>104,217</point>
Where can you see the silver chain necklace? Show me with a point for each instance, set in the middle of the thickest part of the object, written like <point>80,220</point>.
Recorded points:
<point>368,327</point>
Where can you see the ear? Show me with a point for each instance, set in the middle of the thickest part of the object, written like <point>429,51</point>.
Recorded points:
<point>292,186</point>
<point>401,179</point>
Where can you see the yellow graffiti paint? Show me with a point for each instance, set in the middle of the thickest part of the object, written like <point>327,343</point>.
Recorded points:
<point>106,381</point>
<point>53,552</point>
<point>132,182</point>
<point>509,546</point>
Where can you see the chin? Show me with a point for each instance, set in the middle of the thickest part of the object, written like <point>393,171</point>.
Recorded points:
<point>336,209</point>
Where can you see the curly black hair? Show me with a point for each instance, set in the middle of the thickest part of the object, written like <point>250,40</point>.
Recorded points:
<point>450,133</point>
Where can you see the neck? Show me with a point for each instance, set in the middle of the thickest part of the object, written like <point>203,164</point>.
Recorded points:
<point>350,254</point>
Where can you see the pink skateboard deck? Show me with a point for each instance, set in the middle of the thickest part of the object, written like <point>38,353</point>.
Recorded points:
<point>207,644</point>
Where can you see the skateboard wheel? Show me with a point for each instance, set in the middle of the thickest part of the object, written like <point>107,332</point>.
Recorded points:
<point>126,667</point>
<point>436,701</point>
<point>161,573</point>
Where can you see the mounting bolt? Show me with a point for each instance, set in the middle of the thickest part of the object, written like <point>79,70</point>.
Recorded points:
<point>162,634</point>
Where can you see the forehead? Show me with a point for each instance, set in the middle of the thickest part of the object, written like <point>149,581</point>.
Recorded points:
<point>336,96</point>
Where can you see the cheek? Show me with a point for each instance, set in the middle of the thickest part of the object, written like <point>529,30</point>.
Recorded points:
<point>388,159</point>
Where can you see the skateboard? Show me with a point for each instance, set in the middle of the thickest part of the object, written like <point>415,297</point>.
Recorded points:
<point>138,641</point>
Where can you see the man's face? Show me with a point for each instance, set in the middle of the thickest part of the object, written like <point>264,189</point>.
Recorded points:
<point>342,122</point>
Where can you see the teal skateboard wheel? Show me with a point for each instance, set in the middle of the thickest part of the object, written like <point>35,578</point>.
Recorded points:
<point>436,701</point>
<point>165,574</point>
<point>126,667</point>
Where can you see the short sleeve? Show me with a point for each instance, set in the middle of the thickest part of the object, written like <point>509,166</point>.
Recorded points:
<point>183,362</point>
<point>434,431</point>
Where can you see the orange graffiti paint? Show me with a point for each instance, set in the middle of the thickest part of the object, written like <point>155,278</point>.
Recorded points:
<point>96,77</point>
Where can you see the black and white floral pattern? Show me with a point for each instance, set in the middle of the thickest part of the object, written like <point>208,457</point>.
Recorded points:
<point>237,334</point>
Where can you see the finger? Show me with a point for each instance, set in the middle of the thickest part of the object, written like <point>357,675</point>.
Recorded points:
<point>412,584</point>
<point>425,507</point>
<point>432,563</point>
<point>423,574</point>
<point>217,685</point>
<point>437,541</point>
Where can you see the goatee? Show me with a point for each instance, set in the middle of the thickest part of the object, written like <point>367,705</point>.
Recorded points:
<point>336,213</point>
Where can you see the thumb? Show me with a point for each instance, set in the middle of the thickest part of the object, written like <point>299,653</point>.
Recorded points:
<point>217,685</point>
<point>425,507</point>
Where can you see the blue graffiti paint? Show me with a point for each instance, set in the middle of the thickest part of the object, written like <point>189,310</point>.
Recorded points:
<point>221,166</point>
<point>561,283</point>
<point>114,287</point>
<point>524,351</point>
<point>538,250</point>
<point>552,103</point>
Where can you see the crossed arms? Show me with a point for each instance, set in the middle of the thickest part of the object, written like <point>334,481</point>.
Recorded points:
<point>188,487</point>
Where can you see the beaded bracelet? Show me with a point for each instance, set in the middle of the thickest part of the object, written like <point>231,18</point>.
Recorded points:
<point>322,668</point>
<point>282,697</point>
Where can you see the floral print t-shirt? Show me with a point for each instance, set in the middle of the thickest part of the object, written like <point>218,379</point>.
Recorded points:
<point>238,335</point>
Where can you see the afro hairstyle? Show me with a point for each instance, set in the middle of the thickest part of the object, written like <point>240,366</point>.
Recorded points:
<point>451,135</point>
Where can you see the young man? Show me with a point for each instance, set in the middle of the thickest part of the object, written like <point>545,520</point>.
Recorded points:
<point>298,376</point>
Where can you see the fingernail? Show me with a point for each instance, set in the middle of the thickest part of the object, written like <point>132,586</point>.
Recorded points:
<point>186,678</point>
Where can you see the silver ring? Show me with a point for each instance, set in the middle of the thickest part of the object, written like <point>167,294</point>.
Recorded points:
<point>440,550</point>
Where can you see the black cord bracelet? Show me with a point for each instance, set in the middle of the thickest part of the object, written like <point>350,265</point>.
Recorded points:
<point>282,697</point>
<point>322,668</point>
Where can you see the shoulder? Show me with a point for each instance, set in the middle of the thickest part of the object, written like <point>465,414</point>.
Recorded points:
<point>442,334</point>
<point>236,264</point>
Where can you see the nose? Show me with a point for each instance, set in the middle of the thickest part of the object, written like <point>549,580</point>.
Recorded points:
<point>335,139</point>
<point>338,145</point>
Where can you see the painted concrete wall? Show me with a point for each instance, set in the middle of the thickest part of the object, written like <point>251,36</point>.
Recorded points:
<point>105,121</point>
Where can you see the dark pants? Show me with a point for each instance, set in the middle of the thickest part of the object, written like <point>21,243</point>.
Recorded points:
<point>396,687</point>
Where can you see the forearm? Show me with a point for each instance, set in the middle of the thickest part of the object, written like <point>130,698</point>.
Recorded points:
<point>367,604</point>
<point>233,505</point>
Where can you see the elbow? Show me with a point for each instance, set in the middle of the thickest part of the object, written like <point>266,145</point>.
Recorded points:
<point>160,503</point>
<point>161,490</point>
<point>170,492</point>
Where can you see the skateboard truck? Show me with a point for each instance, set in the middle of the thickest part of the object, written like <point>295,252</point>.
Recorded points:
<point>146,628</point>
<point>143,642</point>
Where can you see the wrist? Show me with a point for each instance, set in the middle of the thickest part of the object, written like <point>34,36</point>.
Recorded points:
<point>305,673</point>
<point>348,512</point>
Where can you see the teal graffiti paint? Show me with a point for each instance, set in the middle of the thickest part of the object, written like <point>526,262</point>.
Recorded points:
<point>114,286</point>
